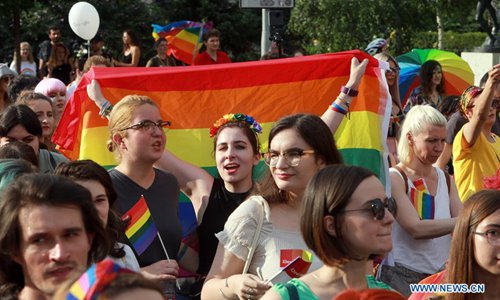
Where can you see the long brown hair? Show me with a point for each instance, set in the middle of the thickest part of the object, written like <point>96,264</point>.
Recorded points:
<point>316,134</point>
<point>462,262</point>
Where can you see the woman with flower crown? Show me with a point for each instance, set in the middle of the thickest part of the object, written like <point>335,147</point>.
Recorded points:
<point>236,149</point>
<point>262,235</point>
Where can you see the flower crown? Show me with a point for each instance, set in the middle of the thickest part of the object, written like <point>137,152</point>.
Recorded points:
<point>235,118</point>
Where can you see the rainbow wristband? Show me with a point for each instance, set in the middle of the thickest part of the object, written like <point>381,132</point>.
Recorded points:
<point>337,108</point>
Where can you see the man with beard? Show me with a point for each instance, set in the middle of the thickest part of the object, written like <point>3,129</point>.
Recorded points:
<point>46,48</point>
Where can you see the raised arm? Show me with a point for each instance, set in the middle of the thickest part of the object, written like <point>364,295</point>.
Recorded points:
<point>334,114</point>
<point>408,218</point>
<point>473,129</point>
<point>195,182</point>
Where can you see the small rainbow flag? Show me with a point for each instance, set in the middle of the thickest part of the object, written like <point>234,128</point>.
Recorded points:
<point>183,38</point>
<point>423,202</point>
<point>141,230</point>
<point>94,280</point>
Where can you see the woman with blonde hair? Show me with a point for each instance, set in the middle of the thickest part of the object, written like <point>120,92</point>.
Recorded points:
<point>28,65</point>
<point>137,138</point>
<point>427,202</point>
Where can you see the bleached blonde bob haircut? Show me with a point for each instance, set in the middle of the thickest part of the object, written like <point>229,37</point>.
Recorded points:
<point>415,122</point>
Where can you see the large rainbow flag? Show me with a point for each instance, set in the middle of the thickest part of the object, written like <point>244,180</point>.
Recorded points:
<point>183,37</point>
<point>193,97</point>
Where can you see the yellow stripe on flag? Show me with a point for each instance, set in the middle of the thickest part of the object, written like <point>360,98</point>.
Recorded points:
<point>366,124</point>
<point>193,145</point>
<point>134,228</point>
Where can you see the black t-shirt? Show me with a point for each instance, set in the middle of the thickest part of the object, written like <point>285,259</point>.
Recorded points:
<point>162,198</point>
<point>221,204</point>
<point>62,72</point>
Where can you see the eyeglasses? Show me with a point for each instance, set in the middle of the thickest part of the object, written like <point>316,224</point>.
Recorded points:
<point>377,207</point>
<point>492,235</point>
<point>393,70</point>
<point>148,125</point>
<point>292,157</point>
<point>495,103</point>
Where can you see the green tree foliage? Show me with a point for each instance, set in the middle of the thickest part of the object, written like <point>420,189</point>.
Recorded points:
<point>240,27</point>
<point>336,25</point>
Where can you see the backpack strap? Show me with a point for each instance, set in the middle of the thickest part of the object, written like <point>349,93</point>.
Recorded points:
<point>292,291</point>
<point>403,174</point>
<point>447,180</point>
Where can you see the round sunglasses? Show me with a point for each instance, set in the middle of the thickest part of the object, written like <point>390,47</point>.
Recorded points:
<point>377,207</point>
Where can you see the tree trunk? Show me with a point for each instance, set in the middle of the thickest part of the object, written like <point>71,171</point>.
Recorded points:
<point>16,14</point>
<point>440,28</point>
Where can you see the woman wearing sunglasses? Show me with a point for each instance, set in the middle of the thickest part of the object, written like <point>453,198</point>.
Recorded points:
<point>476,150</point>
<point>346,220</point>
<point>427,202</point>
<point>298,146</point>
<point>137,138</point>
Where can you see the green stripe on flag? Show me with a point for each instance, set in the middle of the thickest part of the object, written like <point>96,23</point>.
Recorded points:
<point>367,158</point>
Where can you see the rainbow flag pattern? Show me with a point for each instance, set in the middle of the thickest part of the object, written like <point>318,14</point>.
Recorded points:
<point>94,280</point>
<point>422,201</point>
<point>193,97</point>
<point>141,230</point>
<point>183,37</point>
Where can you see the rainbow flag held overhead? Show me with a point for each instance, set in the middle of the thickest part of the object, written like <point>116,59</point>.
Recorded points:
<point>183,37</point>
<point>193,97</point>
<point>141,230</point>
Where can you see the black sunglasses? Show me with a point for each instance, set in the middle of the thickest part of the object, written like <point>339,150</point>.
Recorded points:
<point>377,207</point>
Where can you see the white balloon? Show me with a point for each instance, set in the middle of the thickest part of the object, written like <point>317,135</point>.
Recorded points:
<point>84,20</point>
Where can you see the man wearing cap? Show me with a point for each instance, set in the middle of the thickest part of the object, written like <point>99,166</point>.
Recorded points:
<point>6,76</point>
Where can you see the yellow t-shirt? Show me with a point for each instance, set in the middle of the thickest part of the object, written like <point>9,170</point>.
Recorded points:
<point>472,164</point>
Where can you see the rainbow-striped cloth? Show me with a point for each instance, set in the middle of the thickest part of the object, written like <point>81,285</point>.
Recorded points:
<point>183,37</point>
<point>193,97</point>
<point>141,230</point>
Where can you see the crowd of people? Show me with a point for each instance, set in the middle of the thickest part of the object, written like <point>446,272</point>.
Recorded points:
<point>64,230</point>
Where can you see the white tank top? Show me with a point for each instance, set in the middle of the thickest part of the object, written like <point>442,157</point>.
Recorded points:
<point>424,255</point>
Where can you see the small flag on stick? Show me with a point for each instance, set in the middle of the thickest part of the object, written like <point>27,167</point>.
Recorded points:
<point>294,262</point>
<point>141,230</point>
